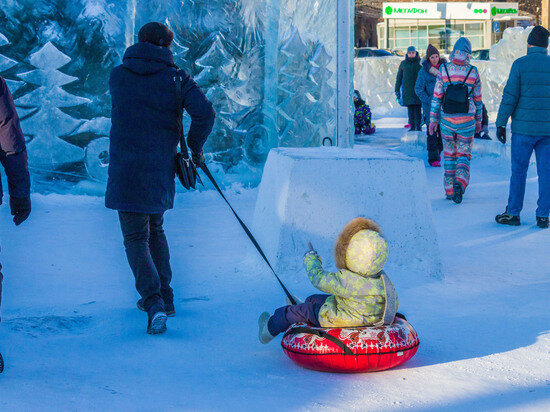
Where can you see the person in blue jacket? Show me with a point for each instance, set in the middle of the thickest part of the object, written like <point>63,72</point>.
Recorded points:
<point>526,99</point>
<point>424,89</point>
<point>146,116</point>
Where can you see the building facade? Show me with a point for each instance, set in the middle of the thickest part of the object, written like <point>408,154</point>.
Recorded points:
<point>441,24</point>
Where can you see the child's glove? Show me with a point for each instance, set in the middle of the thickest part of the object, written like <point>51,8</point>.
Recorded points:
<point>311,251</point>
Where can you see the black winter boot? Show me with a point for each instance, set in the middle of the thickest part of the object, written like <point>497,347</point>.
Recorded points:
<point>157,319</point>
<point>506,219</point>
<point>542,222</point>
<point>168,307</point>
<point>459,192</point>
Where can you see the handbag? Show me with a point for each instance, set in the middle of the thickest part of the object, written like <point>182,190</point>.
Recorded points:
<point>185,167</point>
<point>457,96</point>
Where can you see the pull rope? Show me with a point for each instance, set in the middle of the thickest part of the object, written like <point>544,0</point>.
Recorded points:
<point>248,233</point>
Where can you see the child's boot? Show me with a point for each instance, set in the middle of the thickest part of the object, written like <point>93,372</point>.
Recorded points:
<point>263,333</point>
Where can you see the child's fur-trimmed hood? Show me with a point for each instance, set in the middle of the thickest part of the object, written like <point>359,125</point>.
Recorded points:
<point>352,228</point>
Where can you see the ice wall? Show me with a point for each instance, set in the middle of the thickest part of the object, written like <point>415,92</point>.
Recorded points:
<point>304,108</point>
<point>375,79</point>
<point>375,76</point>
<point>56,57</point>
<point>268,66</point>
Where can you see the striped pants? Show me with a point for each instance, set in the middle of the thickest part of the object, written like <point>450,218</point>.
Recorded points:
<point>458,137</point>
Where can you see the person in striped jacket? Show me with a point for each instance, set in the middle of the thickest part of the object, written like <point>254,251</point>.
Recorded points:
<point>457,129</point>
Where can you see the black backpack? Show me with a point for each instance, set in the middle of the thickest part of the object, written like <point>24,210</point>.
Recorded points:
<point>457,96</point>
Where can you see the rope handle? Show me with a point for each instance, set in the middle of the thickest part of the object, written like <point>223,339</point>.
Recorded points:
<point>248,233</point>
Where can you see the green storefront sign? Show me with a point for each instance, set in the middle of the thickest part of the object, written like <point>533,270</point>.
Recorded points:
<point>496,10</point>
<point>405,10</point>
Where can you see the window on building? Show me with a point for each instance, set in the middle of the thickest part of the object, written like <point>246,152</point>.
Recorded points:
<point>474,32</point>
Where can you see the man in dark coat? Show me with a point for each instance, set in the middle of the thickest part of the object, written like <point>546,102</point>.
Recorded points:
<point>406,77</point>
<point>13,156</point>
<point>147,113</point>
<point>526,99</point>
<point>424,88</point>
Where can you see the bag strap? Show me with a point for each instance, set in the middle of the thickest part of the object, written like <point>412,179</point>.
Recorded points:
<point>179,93</point>
<point>390,306</point>
<point>448,75</point>
<point>322,334</point>
<point>247,231</point>
<point>467,75</point>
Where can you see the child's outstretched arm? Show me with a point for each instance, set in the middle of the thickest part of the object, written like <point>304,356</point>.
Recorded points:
<point>333,283</point>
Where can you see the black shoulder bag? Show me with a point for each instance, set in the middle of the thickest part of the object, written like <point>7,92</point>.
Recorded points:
<point>185,168</point>
<point>457,96</point>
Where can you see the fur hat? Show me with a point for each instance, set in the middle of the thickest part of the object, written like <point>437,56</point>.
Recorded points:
<point>361,248</point>
<point>538,37</point>
<point>157,34</point>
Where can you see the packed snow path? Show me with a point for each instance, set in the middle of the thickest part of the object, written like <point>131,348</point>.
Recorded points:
<point>72,337</point>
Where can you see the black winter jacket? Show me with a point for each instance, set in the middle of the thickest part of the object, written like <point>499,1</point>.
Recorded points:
<point>146,116</point>
<point>406,76</point>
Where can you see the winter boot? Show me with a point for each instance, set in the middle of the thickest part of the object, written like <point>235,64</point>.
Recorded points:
<point>263,333</point>
<point>542,222</point>
<point>157,319</point>
<point>437,163</point>
<point>459,192</point>
<point>449,197</point>
<point>296,299</point>
<point>506,219</point>
<point>169,308</point>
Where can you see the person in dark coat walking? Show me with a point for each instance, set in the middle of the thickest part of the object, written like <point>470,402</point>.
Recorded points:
<point>424,89</point>
<point>13,156</point>
<point>406,77</point>
<point>526,99</point>
<point>147,114</point>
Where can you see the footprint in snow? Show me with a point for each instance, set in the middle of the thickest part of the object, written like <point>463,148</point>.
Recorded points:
<point>196,299</point>
<point>36,326</point>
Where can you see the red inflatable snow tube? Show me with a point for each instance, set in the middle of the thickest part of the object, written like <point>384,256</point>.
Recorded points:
<point>351,350</point>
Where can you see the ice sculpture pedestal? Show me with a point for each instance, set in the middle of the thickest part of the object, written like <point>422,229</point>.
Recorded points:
<point>309,194</point>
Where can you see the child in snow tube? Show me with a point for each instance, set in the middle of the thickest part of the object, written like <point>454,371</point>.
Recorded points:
<point>363,115</point>
<point>361,294</point>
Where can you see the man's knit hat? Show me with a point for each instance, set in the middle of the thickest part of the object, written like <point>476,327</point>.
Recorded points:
<point>538,37</point>
<point>411,49</point>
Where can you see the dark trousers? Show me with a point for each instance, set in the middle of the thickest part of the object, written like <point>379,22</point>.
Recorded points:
<point>415,117</point>
<point>304,312</point>
<point>148,255</point>
<point>435,144</point>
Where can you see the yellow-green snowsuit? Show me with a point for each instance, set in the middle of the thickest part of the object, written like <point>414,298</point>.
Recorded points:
<point>356,300</point>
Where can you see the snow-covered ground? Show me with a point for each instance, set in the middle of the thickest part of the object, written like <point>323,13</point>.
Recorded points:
<point>72,337</point>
